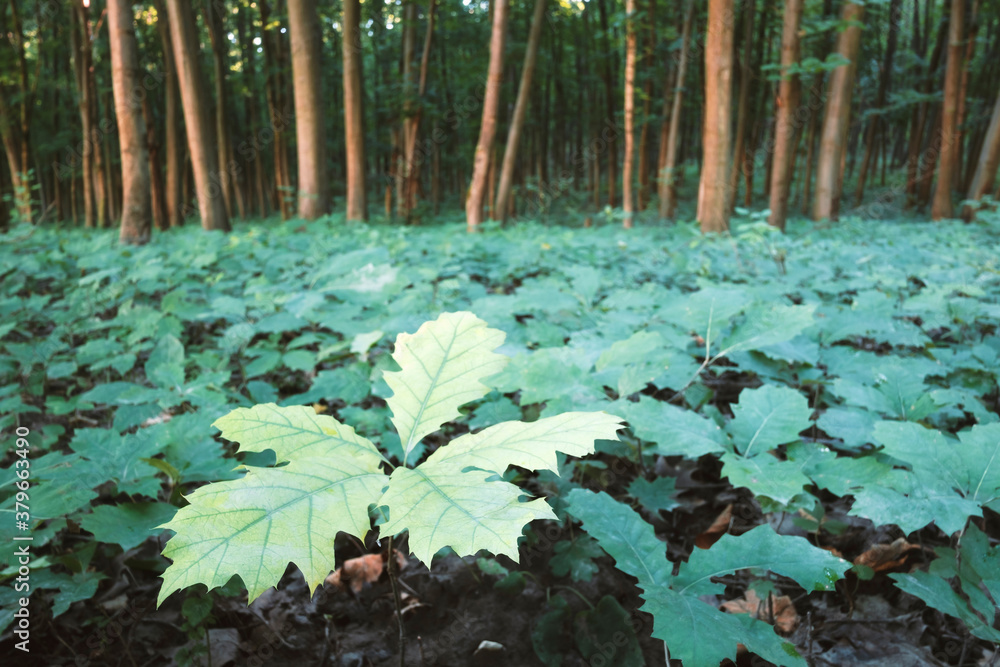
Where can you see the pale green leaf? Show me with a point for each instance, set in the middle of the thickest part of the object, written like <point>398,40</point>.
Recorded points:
<point>767,417</point>
<point>441,368</point>
<point>254,526</point>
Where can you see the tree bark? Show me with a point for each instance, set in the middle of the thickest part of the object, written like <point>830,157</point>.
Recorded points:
<point>354,131</point>
<point>609,96</point>
<point>520,109</point>
<point>627,200</point>
<point>214,12</point>
<point>303,26</point>
<point>741,106</point>
<point>136,219</point>
<point>877,125</point>
<point>713,190</point>
<point>411,161</point>
<point>786,124</point>
<point>667,192</point>
<point>833,138</point>
<point>201,139</point>
<point>174,131</point>
<point>941,207</point>
<point>989,160</point>
<point>644,136</point>
<point>488,129</point>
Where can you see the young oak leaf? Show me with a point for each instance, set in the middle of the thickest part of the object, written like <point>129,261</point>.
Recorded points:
<point>254,526</point>
<point>441,366</point>
<point>455,498</point>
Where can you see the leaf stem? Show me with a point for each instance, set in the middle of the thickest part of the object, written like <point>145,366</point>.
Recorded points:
<point>399,604</point>
<point>573,590</point>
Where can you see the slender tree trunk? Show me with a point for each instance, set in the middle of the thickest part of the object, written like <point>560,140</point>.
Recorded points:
<point>744,99</point>
<point>644,141</point>
<point>214,18</point>
<point>155,158</point>
<point>833,140</point>
<point>916,168</point>
<point>136,203</point>
<point>970,48</point>
<point>667,191</point>
<point>303,24</point>
<point>942,206</point>
<point>989,160</point>
<point>410,159</point>
<point>520,109</point>
<point>785,126</point>
<point>713,191</point>
<point>487,131</point>
<point>878,124</point>
<point>627,199</point>
<point>174,131</point>
<point>354,131</point>
<point>201,139</point>
<point>278,113</point>
<point>609,96</point>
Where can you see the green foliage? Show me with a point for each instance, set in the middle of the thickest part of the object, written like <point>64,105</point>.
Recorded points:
<point>882,385</point>
<point>328,477</point>
<point>695,632</point>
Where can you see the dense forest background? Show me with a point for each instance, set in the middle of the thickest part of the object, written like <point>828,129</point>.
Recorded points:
<point>155,113</point>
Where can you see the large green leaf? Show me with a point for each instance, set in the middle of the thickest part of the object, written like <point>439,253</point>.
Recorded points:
<point>767,417</point>
<point>456,499</point>
<point>441,366</point>
<point>695,632</point>
<point>254,526</point>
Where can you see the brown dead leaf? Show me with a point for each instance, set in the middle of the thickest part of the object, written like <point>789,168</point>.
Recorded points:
<point>882,557</point>
<point>785,617</point>
<point>320,408</point>
<point>716,530</point>
<point>357,572</point>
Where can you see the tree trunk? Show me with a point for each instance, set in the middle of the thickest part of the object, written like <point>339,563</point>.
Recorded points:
<point>970,48</point>
<point>667,193</point>
<point>989,160</point>
<point>644,140</point>
<point>354,131</point>
<point>741,107</point>
<point>609,96</point>
<point>833,138</point>
<point>174,131</point>
<point>877,124</point>
<point>155,158</point>
<point>520,109</point>
<point>713,191</point>
<point>136,202</point>
<point>942,206</point>
<point>303,26</point>
<point>627,203</point>
<point>277,107</point>
<point>786,124</point>
<point>915,172</point>
<point>201,139</point>
<point>214,13</point>
<point>488,129</point>
<point>411,160</point>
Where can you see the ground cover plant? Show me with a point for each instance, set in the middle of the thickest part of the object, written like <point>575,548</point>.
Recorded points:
<point>809,445</point>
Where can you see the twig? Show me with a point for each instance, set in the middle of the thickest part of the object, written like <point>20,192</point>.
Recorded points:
<point>399,606</point>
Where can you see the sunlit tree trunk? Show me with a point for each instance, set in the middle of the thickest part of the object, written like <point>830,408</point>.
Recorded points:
<point>136,203</point>
<point>354,132</point>
<point>713,191</point>
<point>741,106</point>
<point>488,129</point>
<point>174,131</point>
<point>785,126</point>
<point>411,161</point>
<point>201,138</point>
<point>667,192</point>
<point>520,110</point>
<point>303,24</point>
<point>833,138</point>
<point>941,207</point>
<point>989,161</point>
<point>627,200</point>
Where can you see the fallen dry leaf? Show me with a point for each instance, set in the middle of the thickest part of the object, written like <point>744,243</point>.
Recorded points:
<point>785,617</point>
<point>718,528</point>
<point>882,557</point>
<point>357,572</point>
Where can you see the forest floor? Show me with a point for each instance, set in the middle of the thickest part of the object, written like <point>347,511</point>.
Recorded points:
<point>244,306</point>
